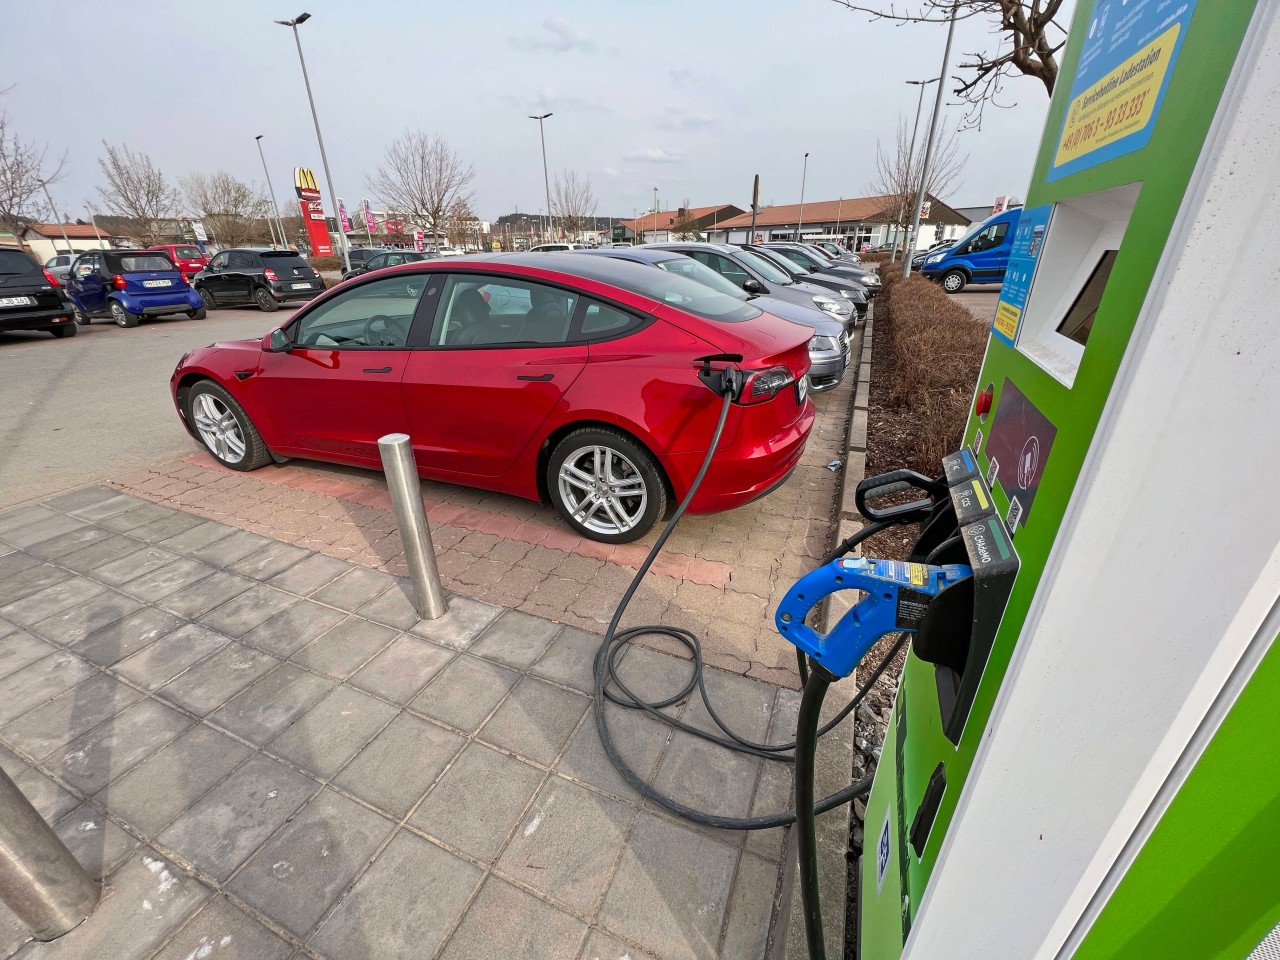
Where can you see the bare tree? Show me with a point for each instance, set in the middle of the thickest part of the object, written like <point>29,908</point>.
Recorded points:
<point>1029,38</point>
<point>898,171</point>
<point>24,166</point>
<point>136,188</point>
<point>683,226</point>
<point>463,229</point>
<point>421,176</point>
<point>573,203</point>
<point>234,212</point>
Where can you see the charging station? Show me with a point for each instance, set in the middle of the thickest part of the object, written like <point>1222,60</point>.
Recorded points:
<point>1083,760</point>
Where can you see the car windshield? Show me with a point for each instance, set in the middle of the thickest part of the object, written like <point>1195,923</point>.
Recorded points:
<point>688,267</point>
<point>780,262</point>
<point>765,267</point>
<point>13,263</point>
<point>140,263</point>
<point>188,253</point>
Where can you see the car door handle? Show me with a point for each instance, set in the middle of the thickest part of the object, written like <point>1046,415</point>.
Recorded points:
<point>542,378</point>
<point>377,369</point>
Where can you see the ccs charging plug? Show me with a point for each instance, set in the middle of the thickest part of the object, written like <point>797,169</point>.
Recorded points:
<point>724,381</point>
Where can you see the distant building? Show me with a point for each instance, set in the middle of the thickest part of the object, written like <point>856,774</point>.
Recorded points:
<point>656,227</point>
<point>854,222</point>
<point>45,240</point>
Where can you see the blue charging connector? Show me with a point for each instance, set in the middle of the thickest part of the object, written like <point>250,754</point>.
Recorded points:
<point>897,596</point>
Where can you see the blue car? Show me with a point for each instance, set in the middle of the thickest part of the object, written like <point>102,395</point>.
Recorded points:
<point>980,256</point>
<point>127,285</point>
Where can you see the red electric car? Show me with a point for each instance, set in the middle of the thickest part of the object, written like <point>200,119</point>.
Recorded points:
<point>553,377</point>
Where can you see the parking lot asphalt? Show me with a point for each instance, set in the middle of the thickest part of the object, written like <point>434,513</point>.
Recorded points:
<point>96,405</point>
<point>980,300</point>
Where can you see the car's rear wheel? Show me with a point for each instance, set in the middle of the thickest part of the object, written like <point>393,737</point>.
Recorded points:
<point>64,331</point>
<point>265,301</point>
<point>953,281</point>
<point>197,314</point>
<point>121,316</point>
<point>224,428</point>
<point>606,485</point>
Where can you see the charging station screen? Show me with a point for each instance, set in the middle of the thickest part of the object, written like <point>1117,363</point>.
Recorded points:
<point>1021,438</point>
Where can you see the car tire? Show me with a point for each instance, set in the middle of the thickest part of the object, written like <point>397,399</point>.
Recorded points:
<point>953,281</point>
<point>199,314</point>
<point>207,297</point>
<point>576,480</point>
<point>64,331</point>
<point>265,301</point>
<point>121,316</point>
<point>224,429</point>
<point>81,317</point>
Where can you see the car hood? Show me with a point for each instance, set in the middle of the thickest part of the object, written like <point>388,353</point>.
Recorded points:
<point>822,323</point>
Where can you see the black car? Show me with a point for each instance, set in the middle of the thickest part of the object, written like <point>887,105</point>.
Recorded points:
<point>851,290</point>
<point>30,299</point>
<point>814,260</point>
<point>389,258</point>
<point>258,276</point>
<point>360,255</point>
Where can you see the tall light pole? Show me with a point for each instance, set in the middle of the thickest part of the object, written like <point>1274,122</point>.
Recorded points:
<point>911,156</point>
<point>324,159</point>
<point>57,216</point>
<point>98,233</point>
<point>546,180</point>
<point>655,214</point>
<point>275,207</point>
<point>928,144</point>
<point>803,176</point>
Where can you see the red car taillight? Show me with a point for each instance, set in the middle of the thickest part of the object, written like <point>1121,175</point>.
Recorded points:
<point>51,278</point>
<point>118,282</point>
<point>269,273</point>
<point>762,385</point>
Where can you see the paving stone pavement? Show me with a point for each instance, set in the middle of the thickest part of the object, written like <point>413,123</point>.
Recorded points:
<point>265,755</point>
<point>721,576</point>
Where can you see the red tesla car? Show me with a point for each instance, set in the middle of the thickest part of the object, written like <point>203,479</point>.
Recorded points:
<point>553,377</point>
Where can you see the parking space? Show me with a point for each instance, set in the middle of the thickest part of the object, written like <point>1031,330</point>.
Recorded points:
<point>979,300</point>
<point>720,575</point>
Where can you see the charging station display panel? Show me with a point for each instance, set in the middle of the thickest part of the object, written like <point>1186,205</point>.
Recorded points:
<point>1140,83</point>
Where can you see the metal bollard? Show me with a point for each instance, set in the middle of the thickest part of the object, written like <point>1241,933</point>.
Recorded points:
<point>40,881</point>
<point>406,500</point>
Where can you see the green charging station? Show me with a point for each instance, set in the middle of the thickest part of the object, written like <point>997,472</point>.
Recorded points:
<point>1090,769</point>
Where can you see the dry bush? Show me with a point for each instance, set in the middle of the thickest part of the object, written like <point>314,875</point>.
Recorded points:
<point>870,258</point>
<point>322,264</point>
<point>936,349</point>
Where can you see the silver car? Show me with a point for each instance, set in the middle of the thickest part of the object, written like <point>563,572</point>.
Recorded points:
<point>60,266</point>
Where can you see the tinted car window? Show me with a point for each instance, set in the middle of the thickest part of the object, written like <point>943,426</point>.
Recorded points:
<point>688,267</point>
<point>221,260</point>
<point>767,269</point>
<point>489,311</point>
<point>15,262</point>
<point>601,321</point>
<point>187,253</point>
<point>285,260</point>
<point>139,262</point>
<point>378,262</point>
<point>243,261</point>
<point>377,314</point>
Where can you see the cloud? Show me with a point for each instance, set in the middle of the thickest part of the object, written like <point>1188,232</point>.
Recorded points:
<point>557,36</point>
<point>674,118</point>
<point>542,101</point>
<point>653,155</point>
<point>685,77</point>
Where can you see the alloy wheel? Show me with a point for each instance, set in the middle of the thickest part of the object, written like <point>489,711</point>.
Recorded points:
<point>218,428</point>
<point>603,490</point>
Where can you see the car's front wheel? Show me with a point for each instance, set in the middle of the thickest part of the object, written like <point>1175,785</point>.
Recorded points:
<point>224,428</point>
<point>207,297</point>
<point>606,485</point>
<point>954,281</point>
<point>265,301</point>
<point>80,316</point>
<point>121,316</point>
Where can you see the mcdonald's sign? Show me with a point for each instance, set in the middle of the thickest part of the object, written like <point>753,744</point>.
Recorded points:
<point>304,182</point>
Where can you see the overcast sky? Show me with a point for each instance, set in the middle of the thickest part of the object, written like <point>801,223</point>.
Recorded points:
<point>692,97</point>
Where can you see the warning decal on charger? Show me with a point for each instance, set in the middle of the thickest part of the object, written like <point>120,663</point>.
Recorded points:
<point>912,606</point>
<point>915,574</point>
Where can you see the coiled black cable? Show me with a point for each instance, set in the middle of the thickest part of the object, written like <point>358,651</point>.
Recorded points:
<point>606,677</point>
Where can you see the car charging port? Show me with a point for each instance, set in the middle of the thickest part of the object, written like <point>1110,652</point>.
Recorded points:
<point>723,381</point>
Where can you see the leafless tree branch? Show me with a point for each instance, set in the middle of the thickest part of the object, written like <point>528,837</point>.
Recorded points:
<point>573,203</point>
<point>898,171</point>
<point>234,212</point>
<point>23,168</point>
<point>421,176</point>
<point>138,189</point>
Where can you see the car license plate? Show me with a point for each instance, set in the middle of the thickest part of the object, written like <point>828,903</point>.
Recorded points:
<point>302,286</point>
<point>17,302</point>
<point>802,388</point>
<point>157,283</point>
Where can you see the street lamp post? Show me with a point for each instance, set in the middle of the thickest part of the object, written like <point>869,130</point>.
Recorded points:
<point>324,159</point>
<point>928,144</point>
<point>57,216</point>
<point>546,180</point>
<point>655,214</point>
<point>911,156</point>
<point>275,207</point>
<point>803,176</point>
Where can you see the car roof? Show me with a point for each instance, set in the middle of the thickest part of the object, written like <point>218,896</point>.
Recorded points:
<point>635,254</point>
<point>698,244</point>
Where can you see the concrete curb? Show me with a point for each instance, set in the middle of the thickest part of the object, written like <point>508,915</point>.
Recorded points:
<point>834,761</point>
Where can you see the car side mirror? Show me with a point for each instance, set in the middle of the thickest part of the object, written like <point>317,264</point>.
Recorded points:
<point>277,342</point>
<point>753,285</point>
